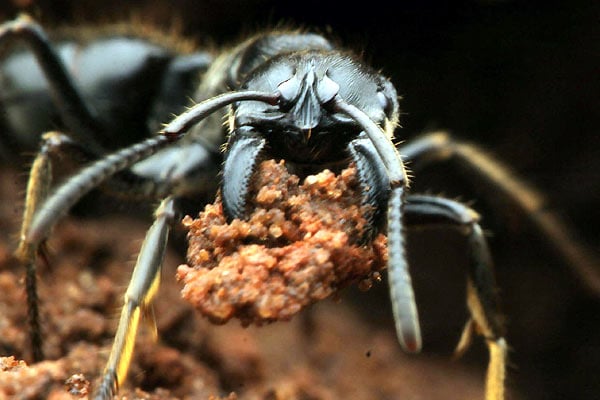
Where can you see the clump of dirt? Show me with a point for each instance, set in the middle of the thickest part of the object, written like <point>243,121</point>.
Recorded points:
<point>300,244</point>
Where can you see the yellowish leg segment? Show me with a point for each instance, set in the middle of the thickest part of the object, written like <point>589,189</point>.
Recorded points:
<point>481,297</point>
<point>38,185</point>
<point>138,298</point>
<point>496,373</point>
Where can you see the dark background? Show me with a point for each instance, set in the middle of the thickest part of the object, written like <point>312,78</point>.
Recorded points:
<point>520,78</point>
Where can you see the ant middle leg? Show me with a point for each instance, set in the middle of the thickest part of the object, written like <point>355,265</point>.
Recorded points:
<point>39,192</point>
<point>422,210</point>
<point>497,179</point>
<point>138,299</point>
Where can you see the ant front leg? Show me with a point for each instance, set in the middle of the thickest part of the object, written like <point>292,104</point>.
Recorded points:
<point>497,179</point>
<point>423,210</point>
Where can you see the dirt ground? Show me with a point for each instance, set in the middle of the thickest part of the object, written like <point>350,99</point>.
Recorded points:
<point>326,352</point>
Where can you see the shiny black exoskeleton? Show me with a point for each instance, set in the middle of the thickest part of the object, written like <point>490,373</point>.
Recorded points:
<point>285,94</point>
<point>130,85</point>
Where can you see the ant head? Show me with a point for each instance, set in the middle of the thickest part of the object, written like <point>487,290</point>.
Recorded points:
<point>307,83</point>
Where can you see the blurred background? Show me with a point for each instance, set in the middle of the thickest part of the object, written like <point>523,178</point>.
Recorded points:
<point>519,78</point>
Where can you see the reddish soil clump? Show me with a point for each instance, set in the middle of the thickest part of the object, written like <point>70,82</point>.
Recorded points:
<point>300,244</point>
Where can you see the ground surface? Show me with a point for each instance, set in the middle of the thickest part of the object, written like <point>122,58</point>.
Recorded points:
<point>326,352</point>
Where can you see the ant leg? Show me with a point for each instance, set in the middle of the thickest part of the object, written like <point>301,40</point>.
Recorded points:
<point>138,298</point>
<point>423,210</point>
<point>36,201</point>
<point>75,113</point>
<point>498,179</point>
<point>38,186</point>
